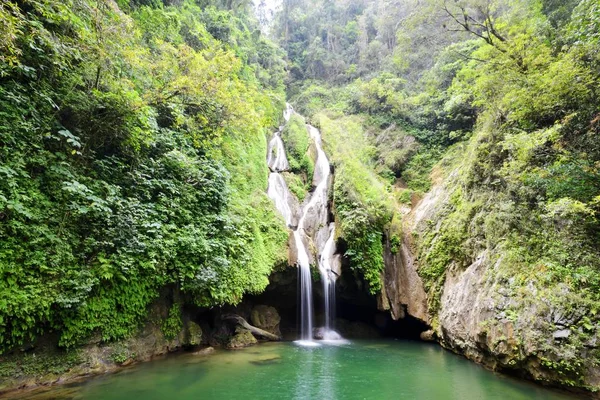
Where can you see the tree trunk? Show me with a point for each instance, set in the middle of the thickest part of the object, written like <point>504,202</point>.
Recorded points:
<point>254,330</point>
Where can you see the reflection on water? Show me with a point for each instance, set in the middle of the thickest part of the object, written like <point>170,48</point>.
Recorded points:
<point>357,370</point>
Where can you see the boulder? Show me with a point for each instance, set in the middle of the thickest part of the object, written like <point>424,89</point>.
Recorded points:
<point>204,351</point>
<point>193,334</point>
<point>266,318</point>
<point>403,288</point>
<point>561,334</point>
<point>321,333</point>
<point>428,336</point>
<point>242,338</point>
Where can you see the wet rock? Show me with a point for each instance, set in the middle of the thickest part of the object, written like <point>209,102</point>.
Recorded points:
<point>292,250</point>
<point>127,362</point>
<point>561,334</point>
<point>242,338</point>
<point>336,265</point>
<point>205,351</point>
<point>321,333</point>
<point>315,219</point>
<point>193,334</point>
<point>266,318</point>
<point>428,336</point>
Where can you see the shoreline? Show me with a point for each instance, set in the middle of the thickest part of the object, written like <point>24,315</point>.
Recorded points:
<point>38,385</point>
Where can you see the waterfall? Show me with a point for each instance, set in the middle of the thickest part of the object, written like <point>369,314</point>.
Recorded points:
<point>312,226</point>
<point>328,277</point>
<point>277,160</point>
<point>306,304</point>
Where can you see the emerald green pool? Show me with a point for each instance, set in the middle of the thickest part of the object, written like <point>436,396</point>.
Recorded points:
<point>357,370</point>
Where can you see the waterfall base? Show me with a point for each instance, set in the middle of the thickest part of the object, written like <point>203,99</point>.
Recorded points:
<point>307,343</point>
<point>326,334</point>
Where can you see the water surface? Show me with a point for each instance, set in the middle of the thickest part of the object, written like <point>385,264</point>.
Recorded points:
<point>358,370</point>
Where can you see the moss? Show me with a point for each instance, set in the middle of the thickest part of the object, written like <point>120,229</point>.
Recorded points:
<point>404,196</point>
<point>297,185</point>
<point>297,141</point>
<point>42,363</point>
<point>241,339</point>
<point>120,354</point>
<point>416,173</point>
<point>363,201</point>
<point>193,334</point>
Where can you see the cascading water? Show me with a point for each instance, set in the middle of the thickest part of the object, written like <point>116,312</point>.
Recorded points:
<point>328,276</point>
<point>312,225</point>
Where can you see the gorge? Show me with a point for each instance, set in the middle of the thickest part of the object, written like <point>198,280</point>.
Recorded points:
<point>299,199</point>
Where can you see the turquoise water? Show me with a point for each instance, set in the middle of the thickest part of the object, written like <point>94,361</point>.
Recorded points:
<point>358,370</point>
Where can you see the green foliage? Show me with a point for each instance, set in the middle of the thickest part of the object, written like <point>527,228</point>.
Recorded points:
<point>172,325</point>
<point>395,243</point>
<point>363,204</point>
<point>297,142</point>
<point>131,157</point>
<point>416,172</point>
<point>447,245</point>
<point>120,354</point>
<point>296,185</point>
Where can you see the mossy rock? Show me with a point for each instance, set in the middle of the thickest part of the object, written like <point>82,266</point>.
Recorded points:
<point>241,339</point>
<point>193,334</point>
<point>267,318</point>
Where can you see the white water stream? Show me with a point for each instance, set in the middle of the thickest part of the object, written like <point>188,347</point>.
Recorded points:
<point>312,227</point>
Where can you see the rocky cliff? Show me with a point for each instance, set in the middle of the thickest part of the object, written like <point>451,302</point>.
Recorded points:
<point>480,307</point>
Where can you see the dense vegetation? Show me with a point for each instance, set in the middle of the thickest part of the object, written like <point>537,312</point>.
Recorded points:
<point>495,102</point>
<point>517,81</point>
<point>132,143</point>
<point>133,140</point>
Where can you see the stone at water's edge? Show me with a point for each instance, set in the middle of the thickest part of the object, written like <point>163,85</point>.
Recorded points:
<point>428,336</point>
<point>266,318</point>
<point>193,334</point>
<point>243,338</point>
<point>402,287</point>
<point>204,351</point>
<point>473,322</point>
<point>321,333</point>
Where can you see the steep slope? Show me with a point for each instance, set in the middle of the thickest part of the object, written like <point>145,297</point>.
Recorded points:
<point>132,145</point>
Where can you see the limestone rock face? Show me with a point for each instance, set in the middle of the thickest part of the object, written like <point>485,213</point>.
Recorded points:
<point>536,330</point>
<point>481,318</point>
<point>402,287</point>
<point>266,318</point>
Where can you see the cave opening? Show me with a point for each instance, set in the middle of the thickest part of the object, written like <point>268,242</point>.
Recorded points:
<point>357,313</point>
